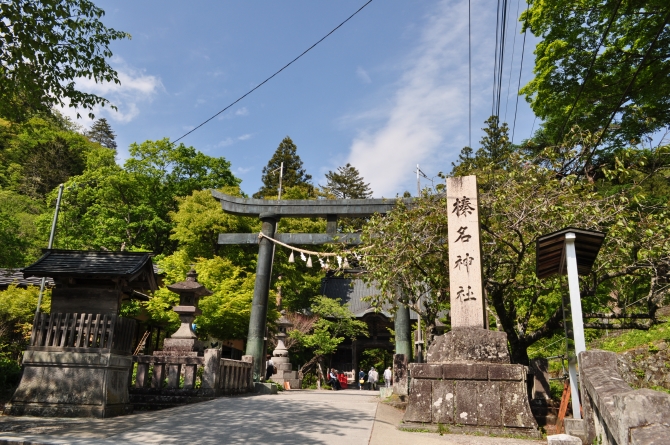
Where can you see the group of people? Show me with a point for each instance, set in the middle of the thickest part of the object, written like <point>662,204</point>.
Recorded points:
<point>373,378</point>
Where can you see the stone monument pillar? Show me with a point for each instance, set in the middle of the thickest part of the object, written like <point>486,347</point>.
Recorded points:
<point>280,358</point>
<point>185,342</point>
<point>468,381</point>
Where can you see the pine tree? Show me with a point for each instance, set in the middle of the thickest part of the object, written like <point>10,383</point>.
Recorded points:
<point>346,183</point>
<point>102,133</point>
<point>294,174</point>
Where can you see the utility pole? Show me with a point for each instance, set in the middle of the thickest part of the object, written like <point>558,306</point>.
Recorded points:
<point>419,336</point>
<point>51,243</point>
<point>281,176</point>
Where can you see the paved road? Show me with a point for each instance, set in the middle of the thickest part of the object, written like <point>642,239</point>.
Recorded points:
<point>297,417</point>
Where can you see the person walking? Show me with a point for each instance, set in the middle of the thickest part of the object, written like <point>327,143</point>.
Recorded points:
<point>387,376</point>
<point>270,368</point>
<point>361,379</point>
<point>373,378</point>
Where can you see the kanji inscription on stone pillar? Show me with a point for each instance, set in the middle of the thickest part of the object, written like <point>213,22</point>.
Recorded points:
<point>465,266</point>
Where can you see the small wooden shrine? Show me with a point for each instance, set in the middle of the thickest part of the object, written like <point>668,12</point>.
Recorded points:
<point>79,360</point>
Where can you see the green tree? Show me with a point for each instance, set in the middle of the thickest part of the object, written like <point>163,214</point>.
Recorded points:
<point>115,207</point>
<point>294,174</point>
<point>336,322</point>
<point>40,154</point>
<point>46,45</point>
<point>346,183</point>
<point>102,133</point>
<point>521,199</point>
<point>629,77</point>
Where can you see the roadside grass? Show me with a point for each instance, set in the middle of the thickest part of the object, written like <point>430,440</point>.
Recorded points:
<point>635,338</point>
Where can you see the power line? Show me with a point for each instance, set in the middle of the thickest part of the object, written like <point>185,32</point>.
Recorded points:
<point>277,72</point>
<point>518,87</point>
<point>511,63</point>
<point>588,72</point>
<point>501,21</point>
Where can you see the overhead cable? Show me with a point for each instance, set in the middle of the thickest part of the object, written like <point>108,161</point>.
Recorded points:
<point>277,72</point>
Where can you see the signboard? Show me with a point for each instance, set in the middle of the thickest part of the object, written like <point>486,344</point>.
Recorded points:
<point>468,307</point>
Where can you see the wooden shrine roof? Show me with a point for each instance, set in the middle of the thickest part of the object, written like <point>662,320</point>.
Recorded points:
<point>550,251</point>
<point>133,266</point>
<point>15,276</point>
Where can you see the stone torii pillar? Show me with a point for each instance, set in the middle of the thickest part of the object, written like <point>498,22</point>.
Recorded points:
<point>270,212</point>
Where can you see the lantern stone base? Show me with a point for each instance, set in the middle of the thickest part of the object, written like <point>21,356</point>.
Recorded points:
<point>72,384</point>
<point>285,373</point>
<point>469,384</point>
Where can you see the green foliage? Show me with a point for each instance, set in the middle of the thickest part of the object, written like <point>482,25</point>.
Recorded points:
<point>634,339</point>
<point>46,46</point>
<point>110,206</point>
<point>40,154</point>
<point>521,198</point>
<point>294,174</point>
<point>336,322</point>
<point>102,133</point>
<point>17,311</point>
<point>346,183</point>
<point>225,313</point>
<point>570,33</point>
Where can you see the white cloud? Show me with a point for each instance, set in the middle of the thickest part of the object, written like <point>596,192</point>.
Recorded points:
<point>424,119</point>
<point>243,170</point>
<point>230,141</point>
<point>136,89</point>
<point>363,75</point>
<point>242,112</point>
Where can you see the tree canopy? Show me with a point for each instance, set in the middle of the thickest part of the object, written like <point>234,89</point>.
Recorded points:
<point>294,174</point>
<point>45,46</point>
<point>102,133</point>
<point>628,79</point>
<point>346,183</point>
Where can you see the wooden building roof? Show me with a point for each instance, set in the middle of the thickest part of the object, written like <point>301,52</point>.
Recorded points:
<point>15,276</point>
<point>550,251</point>
<point>135,267</point>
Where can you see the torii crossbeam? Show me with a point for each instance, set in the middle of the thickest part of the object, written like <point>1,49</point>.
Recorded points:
<point>270,212</point>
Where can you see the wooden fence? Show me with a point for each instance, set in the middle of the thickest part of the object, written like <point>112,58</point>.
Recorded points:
<point>63,332</point>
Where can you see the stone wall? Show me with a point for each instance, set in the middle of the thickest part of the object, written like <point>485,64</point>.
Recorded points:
<point>646,367</point>
<point>614,413</point>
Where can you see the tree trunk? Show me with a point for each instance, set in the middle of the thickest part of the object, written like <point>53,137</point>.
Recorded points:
<point>319,374</point>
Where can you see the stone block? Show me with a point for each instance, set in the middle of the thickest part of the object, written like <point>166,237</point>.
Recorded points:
<point>295,383</point>
<point>635,409</point>
<point>465,409</point>
<point>575,427</point>
<point>515,407</point>
<point>650,435</point>
<point>540,368</point>
<point>465,371</point>
<point>425,371</point>
<point>488,404</point>
<point>420,398</point>
<point>469,345</point>
<point>400,374</point>
<point>442,403</point>
<point>266,388</point>
<point>385,393</point>
<point>210,373</point>
<point>563,439</point>
<point>506,372</point>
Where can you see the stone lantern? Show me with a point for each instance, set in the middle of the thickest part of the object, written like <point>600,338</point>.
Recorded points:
<point>280,351</point>
<point>185,341</point>
<point>280,358</point>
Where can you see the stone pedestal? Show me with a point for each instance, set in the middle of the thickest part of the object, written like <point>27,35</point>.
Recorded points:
<point>400,379</point>
<point>72,384</point>
<point>469,384</point>
<point>280,358</point>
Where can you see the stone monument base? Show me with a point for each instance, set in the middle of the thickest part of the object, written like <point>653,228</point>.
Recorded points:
<point>72,384</point>
<point>468,384</point>
<point>285,373</point>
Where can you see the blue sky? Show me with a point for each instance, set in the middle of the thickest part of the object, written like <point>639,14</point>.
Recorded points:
<point>387,91</point>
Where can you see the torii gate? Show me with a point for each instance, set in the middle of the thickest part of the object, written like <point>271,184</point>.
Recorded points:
<point>269,212</point>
